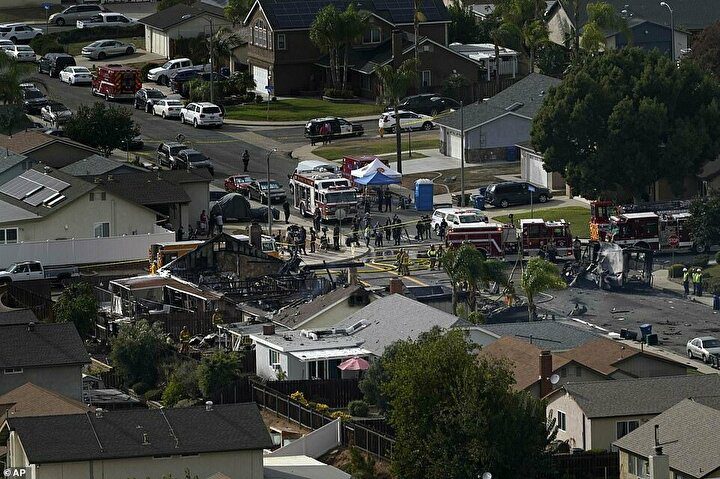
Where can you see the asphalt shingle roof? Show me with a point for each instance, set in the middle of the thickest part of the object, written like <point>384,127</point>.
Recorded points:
<point>32,400</point>
<point>95,165</point>
<point>17,316</point>
<point>549,335</point>
<point>146,189</point>
<point>688,435</point>
<point>47,344</point>
<point>634,397</point>
<point>169,17</point>
<point>522,98</point>
<point>8,159</point>
<point>230,427</point>
<point>26,141</point>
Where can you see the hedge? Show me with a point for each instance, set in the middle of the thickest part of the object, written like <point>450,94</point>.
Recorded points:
<point>92,34</point>
<point>46,44</point>
<point>676,270</point>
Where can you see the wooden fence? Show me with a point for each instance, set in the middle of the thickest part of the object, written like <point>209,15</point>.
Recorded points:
<point>336,393</point>
<point>583,465</point>
<point>33,297</point>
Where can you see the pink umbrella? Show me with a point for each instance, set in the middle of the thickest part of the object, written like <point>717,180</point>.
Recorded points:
<point>354,364</point>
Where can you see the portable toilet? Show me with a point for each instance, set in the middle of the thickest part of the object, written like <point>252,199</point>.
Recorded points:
<point>424,195</point>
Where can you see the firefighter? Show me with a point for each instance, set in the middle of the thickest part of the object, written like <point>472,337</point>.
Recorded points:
<point>184,340</point>
<point>153,267</point>
<point>697,282</point>
<point>245,160</point>
<point>399,262</point>
<point>432,254</point>
<point>217,317</point>
<point>577,249</point>
<point>686,282</point>
<point>336,237</point>
<point>406,263</point>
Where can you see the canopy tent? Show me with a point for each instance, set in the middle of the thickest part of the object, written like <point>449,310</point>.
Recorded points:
<point>377,179</point>
<point>376,166</point>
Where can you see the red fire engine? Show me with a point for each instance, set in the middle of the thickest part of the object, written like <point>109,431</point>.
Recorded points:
<point>329,192</point>
<point>116,82</point>
<point>496,240</point>
<point>536,232</point>
<point>351,163</point>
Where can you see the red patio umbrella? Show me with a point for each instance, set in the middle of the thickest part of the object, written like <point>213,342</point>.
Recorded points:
<point>354,364</point>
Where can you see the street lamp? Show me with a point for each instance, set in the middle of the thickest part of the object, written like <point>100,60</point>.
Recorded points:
<point>212,51</point>
<point>672,29</point>
<point>269,204</point>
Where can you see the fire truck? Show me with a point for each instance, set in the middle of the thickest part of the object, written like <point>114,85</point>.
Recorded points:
<point>115,82</point>
<point>655,226</point>
<point>495,240</point>
<point>328,192</point>
<point>535,232</point>
<point>351,163</point>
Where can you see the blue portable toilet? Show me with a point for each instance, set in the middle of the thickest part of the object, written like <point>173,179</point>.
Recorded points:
<point>423,195</point>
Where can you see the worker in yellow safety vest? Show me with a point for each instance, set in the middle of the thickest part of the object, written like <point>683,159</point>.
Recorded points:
<point>432,254</point>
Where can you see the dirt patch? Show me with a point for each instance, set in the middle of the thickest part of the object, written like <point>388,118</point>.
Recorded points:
<point>271,420</point>
<point>340,458</point>
<point>475,177</point>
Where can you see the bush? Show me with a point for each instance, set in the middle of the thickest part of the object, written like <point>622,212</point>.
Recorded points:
<point>717,257</point>
<point>146,68</point>
<point>98,33</point>
<point>700,261</point>
<point>46,44</point>
<point>186,403</point>
<point>676,270</point>
<point>711,285</point>
<point>140,388</point>
<point>173,393</point>
<point>358,408</point>
<point>153,394</point>
<point>333,93</point>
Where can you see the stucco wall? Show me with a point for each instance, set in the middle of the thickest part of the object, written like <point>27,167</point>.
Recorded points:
<point>575,420</point>
<point>66,380</point>
<point>604,430</point>
<point>643,367</point>
<point>559,27</point>
<point>196,27</point>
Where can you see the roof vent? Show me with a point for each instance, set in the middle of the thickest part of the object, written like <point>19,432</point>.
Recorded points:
<point>31,327</point>
<point>208,405</point>
<point>515,106</point>
<point>46,169</point>
<point>99,412</point>
<point>146,439</point>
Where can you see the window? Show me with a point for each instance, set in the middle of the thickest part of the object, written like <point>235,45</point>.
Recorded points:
<point>103,196</point>
<point>578,371</point>
<point>426,78</point>
<point>91,196</point>
<point>101,230</point>
<point>35,267</point>
<point>626,427</point>
<point>8,235</point>
<point>563,373</point>
<point>372,35</point>
<point>260,34</point>
<point>281,45</point>
<point>637,466</point>
<point>274,356</point>
<point>561,421</point>
<point>13,370</point>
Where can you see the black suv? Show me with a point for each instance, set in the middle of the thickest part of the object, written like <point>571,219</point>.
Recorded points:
<point>339,127</point>
<point>54,63</point>
<point>145,98</point>
<point>167,153</point>
<point>427,104</point>
<point>515,193</point>
<point>33,100</point>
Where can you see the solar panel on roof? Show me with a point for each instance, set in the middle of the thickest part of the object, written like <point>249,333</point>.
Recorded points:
<point>45,180</point>
<point>40,196</point>
<point>18,187</point>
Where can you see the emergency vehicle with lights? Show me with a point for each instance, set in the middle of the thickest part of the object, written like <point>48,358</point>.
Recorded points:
<point>328,192</point>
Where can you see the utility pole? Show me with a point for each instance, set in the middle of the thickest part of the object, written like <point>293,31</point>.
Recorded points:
<point>462,155</point>
<point>212,64</point>
<point>672,30</point>
<point>269,204</point>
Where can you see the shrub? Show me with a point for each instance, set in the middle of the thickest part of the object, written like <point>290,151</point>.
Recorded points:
<point>299,397</point>
<point>700,261</point>
<point>146,68</point>
<point>676,270</point>
<point>717,257</point>
<point>358,408</point>
<point>342,415</point>
<point>153,394</point>
<point>186,403</point>
<point>98,33</point>
<point>321,408</point>
<point>712,285</point>
<point>46,44</point>
<point>140,388</point>
<point>173,393</point>
<point>333,93</point>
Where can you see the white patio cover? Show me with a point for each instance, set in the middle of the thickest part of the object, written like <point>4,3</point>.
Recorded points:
<point>374,166</point>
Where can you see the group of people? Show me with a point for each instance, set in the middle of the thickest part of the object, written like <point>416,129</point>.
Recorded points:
<point>694,276</point>
<point>324,133</point>
<point>435,256</point>
<point>210,225</point>
<point>548,251</point>
<point>424,228</point>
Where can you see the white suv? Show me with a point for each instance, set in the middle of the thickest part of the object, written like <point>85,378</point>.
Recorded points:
<point>72,14</point>
<point>18,31</point>
<point>408,121</point>
<point>201,114</point>
<point>161,75</point>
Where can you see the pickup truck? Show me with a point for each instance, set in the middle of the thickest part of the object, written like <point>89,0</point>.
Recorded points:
<point>162,74</point>
<point>30,270</point>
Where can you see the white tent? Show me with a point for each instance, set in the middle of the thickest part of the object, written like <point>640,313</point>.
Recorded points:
<point>376,166</point>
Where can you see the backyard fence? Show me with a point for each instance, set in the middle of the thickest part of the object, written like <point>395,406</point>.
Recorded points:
<point>32,295</point>
<point>336,393</point>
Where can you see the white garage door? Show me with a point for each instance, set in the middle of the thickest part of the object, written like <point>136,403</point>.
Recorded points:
<point>537,174</point>
<point>159,43</point>
<point>454,146</point>
<point>260,75</point>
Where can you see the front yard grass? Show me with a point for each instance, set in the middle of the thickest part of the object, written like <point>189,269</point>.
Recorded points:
<point>299,109</point>
<point>75,48</point>
<point>475,177</point>
<point>577,216</point>
<point>376,146</point>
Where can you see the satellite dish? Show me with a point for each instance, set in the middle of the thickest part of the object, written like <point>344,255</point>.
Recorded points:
<point>486,475</point>
<point>554,379</point>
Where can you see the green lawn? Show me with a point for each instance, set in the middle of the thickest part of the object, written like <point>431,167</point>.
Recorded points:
<point>577,216</point>
<point>299,109</point>
<point>375,146</point>
<point>75,48</point>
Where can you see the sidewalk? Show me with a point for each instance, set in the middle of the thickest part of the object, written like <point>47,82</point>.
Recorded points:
<point>661,282</point>
<point>291,123</point>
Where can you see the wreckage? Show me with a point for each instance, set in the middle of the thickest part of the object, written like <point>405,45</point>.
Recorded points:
<point>611,267</point>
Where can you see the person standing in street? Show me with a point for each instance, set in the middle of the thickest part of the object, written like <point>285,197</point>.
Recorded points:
<point>317,219</point>
<point>313,239</point>
<point>336,236</point>
<point>432,255</point>
<point>179,234</point>
<point>302,239</point>
<point>699,282</point>
<point>388,201</point>
<point>219,223</point>
<point>286,210</point>
<point>397,232</point>
<point>245,160</point>
<point>420,228</point>
<point>694,278</point>
<point>577,249</point>
<point>406,263</point>
<point>367,234</point>
<point>686,283</point>
<point>399,262</point>
<point>388,229</point>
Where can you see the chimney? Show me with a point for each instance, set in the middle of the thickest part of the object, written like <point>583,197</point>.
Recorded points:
<point>146,439</point>
<point>396,286</point>
<point>208,405</point>
<point>99,412</point>
<point>352,275</point>
<point>31,327</point>
<point>268,329</point>
<point>659,463</point>
<point>546,368</point>
<point>397,48</point>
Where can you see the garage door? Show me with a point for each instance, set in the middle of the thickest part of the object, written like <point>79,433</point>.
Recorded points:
<point>537,174</point>
<point>454,146</point>
<point>260,75</point>
<point>159,44</point>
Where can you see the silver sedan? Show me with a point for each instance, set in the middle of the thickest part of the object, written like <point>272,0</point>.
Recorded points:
<point>101,49</point>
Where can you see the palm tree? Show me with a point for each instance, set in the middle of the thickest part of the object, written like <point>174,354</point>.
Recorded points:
<point>11,75</point>
<point>601,17</point>
<point>539,275</point>
<point>418,16</point>
<point>325,33</point>
<point>394,84</point>
<point>352,27</point>
<point>467,265</point>
<point>224,42</point>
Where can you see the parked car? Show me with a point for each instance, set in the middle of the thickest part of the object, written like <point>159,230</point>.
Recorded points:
<point>703,347</point>
<point>55,113</point>
<point>258,190</point>
<point>29,270</point>
<point>33,100</point>
<point>72,14</point>
<point>101,49</point>
<point>515,193</point>
<point>75,75</point>
<point>201,114</point>
<point>54,63</point>
<point>145,98</point>
<point>16,32</point>
<point>161,74</point>
<point>6,45</point>
<point>107,19</point>
<point>238,184</point>
<point>180,81</point>
<point>167,108</point>
<point>167,153</point>
<point>22,53</point>
<point>27,86</point>
<point>338,126</point>
<point>408,121</point>
<point>190,158</point>
<point>135,143</point>
<point>427,104</point>
<point>457,216</point>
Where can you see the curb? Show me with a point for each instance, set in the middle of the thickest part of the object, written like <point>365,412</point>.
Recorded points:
<point>290,123</point>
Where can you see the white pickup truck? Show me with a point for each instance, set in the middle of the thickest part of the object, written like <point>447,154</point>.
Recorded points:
<point>161,75</point>
<point>30,270</point>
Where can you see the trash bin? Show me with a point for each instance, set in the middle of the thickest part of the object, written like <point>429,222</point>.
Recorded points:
<point>716,302</point>
<point>645,330</point>
<point>423,195</point>
<point>652,339</point>
<point>479,202</point>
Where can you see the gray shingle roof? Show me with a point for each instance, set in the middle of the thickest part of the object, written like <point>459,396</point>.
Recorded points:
<point>634,397</point>
<point>46,345</point>
<point>17,316</point>
<point>550,335</point>
<point>522,98</point>
<point>146,189</point>
<point>231,427</point>
<point>688,435</point>
<point>8,159</point>
<point>294,316</point>
<point>95,165</point>
<point>169,17</point>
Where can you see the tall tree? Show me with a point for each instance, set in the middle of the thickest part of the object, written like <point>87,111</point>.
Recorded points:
<point>236,11</point>
<point>539,276</point>
<point>463,28</point>
<point>704,220</point>
<point>622,120</point>
<point>352,26</point>
<point>394,84</point>
<point>325,33</point>
<point>456,415</point>
<point>524,26</point>
<point>418,17</point>
<point>601,17</point>
<point>706,50</point>
<point>102,126</point>
<point>224,41</point>
<point>77,305</point>
<point>469,266</point>
<point>137,350</point>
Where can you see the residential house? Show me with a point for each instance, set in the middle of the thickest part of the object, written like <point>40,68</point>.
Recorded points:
<point>181,21</point>
<point>687,437</point>
<point>493,127</point>
<point>227,439</point>
<point>300,467</point>
<point>592,415</point>
<point>196,184</point>
<point>30,400</point>
<point>325,310</point>
<point>11,165</point>
<point>532,169</point>
<point>50,150</point>
<point>97,165</point>
<point>648,35</point>
<point>547,335</point>
<point>484,53</point>
<point>48,355</point>
<point>45,204</point>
